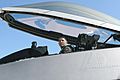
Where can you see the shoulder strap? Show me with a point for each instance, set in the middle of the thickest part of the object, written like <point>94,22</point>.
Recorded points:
<point>73,49</point>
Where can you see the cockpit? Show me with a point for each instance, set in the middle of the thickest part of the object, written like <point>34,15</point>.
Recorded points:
<point>81,36</point>
<point>85,29</point>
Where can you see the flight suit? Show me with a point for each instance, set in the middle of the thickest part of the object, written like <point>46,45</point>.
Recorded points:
<point>66,49</point>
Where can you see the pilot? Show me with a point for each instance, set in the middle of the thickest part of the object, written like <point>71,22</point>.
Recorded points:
<point>65,47</point>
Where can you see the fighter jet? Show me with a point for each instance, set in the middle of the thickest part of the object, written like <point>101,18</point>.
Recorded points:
<point>95,37</point>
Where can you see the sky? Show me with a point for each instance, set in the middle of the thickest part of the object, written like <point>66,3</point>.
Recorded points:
<point>12,40</point>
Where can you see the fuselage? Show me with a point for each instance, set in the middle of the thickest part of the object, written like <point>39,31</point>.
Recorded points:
<point>93,65</point>
<point>100,63</point>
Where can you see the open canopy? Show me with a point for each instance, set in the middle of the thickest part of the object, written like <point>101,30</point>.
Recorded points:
<point>73,9</point>
<point>60,19</point>
<point>65,7</point>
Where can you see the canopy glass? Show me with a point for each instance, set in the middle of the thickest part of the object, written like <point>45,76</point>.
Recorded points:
<point>64,27</point>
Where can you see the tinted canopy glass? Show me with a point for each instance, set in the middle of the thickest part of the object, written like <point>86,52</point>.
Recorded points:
<point>73,9</point>
<point>64,27</point>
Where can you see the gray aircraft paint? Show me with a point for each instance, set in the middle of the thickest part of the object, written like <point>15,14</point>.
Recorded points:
<point>86,65</point>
